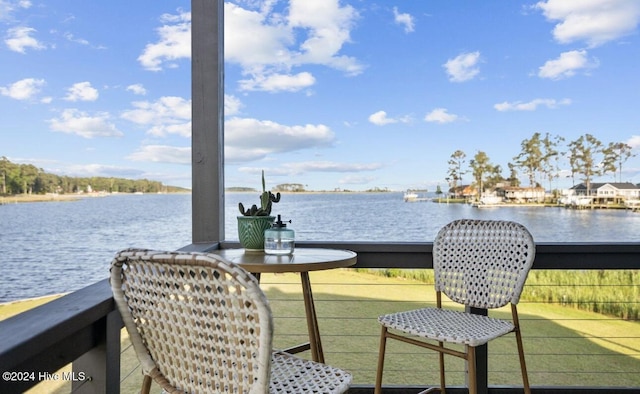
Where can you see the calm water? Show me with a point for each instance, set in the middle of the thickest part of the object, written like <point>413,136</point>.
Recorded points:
<point>55,247</point>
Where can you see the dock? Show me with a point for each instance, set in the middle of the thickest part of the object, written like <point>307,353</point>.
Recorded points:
<point>414,197</point>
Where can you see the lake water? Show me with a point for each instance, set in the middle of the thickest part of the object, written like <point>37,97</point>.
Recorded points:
<point>54,247</point>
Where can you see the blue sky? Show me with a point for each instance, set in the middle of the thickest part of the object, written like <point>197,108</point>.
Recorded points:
<point>330,94</point>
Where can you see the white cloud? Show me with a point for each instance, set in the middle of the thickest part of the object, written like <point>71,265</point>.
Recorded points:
<point>89,170</point>
<point>266,43</point>
<point>356,180</point>
<point>380,118</point>
<point>299,168</point>
<point>162,154</point>
<point>440,115</point>
<point>168,115</point>
<point>70,37</point>
<point>137,88</point>
<point>463,67</point>
<point>23,89</point>
<point>174,42</point>
<point>566,65</point>
<point>634,141</point>
<point>19,39</point>
<point>73,39</point>
<point>252,42</point>
<point>330,166</point>
<point>8,7</point>
<point>404,19</point>
<point>595,22</point>
<point>73,121</point>
<point>232,105</point>
<point>82,91</point>
<point>531,105</point>
<point>252,139</point>
<point>278,82</point>
<point>327,27</point>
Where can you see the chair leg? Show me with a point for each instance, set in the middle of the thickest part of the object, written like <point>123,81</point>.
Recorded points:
<point>383,345</point>
<point>146,385</point>
<point>523,364</point>
<point>471,365</point>
<point>443,383</point>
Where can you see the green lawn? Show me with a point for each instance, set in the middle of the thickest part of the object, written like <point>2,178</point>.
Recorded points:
<point>13,308</point>
<point>563,346</point>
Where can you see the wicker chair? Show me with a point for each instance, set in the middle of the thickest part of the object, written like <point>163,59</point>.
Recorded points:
<point>200,324</point>
<point>477,263</point>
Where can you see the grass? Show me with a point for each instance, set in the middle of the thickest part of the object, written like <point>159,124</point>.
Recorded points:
<point>563,346</point>
<point>9,309</point>
<point>21,198</point>
<point>595,291</point>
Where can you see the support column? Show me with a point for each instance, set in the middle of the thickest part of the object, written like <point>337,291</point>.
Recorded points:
<point>207,133</point>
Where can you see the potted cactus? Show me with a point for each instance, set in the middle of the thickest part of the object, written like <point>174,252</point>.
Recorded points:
<point>255,220</point>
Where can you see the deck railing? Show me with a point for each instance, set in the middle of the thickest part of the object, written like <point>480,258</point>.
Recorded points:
<point>83,328</point>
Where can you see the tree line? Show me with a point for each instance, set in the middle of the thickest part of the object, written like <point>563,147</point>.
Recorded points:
<point>541,158</point>
<point>29,179</point>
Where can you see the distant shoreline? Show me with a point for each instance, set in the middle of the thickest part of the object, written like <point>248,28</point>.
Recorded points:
<point>318,191</point>
<point>27,198</point>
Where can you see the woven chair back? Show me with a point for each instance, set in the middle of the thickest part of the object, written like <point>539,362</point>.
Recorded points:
<point>482,263</point>
<point>197,322</point>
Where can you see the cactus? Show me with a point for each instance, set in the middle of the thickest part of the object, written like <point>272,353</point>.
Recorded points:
<point>266,201</point>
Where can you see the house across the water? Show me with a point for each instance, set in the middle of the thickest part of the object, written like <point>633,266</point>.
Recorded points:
<point>515,194</point>
<point>607,193</point>
<point>608,190</point>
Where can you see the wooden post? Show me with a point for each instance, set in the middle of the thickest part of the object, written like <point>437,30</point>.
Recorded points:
<point>98,370</point>
<point>207,135</point>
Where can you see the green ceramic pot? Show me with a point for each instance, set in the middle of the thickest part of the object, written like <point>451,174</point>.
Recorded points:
<point>251,231</point>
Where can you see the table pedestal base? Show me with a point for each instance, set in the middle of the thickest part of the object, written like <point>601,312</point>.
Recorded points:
<point>315,343</point>
<point>302,261</point>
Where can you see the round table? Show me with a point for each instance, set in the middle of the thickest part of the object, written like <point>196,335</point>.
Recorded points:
<point>303,260</point>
